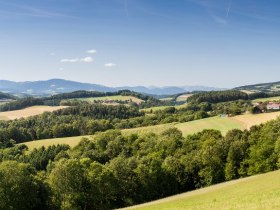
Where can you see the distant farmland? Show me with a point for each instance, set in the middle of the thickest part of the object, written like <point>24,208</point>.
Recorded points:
<point>28,112</point>
<point>223,124</point>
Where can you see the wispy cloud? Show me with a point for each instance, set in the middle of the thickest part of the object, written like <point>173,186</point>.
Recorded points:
<point>91,51</point>
<point>126,7</point>
<point>69,60</point>
<point>110,65</point>
<point>220,11</point>
<point>27,11</point>
<point>52,54</point>
<point>77,60</point>
<point>229,7</point>
<point>219,20</point>
<point>86,60</point>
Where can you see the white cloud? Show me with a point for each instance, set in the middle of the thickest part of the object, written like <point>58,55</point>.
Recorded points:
<point>76,60</point>
<point>87,60</point>
<point>91,51</point>
<point>52,54</point>
<point>67,60</point>
<point>61,69</point>
<point>110,65</point>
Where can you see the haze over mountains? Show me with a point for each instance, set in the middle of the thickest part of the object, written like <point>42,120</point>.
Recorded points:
<point>54,86</point>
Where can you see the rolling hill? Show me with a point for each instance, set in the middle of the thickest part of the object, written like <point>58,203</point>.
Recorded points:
<point>262,87</point>
<point>256,192</point>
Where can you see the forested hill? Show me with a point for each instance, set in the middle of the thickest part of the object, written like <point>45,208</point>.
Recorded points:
<point>87,94</point>
<point>262,87</point>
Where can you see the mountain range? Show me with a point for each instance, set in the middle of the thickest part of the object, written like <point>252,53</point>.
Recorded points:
<point>55,86</point>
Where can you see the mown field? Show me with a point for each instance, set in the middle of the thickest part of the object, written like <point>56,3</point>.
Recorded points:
<point>112,98</point>
<point>183,97</point>
<point>28,112</point>
<point>261,192</point>
<point>223,124</point>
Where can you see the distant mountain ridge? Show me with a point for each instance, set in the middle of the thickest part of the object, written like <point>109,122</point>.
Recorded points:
<point>54,86</point>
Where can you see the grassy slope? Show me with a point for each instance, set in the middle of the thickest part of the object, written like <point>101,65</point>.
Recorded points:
<point>222,124</point>
<point>218,123</point>
<point>27,112</point>
<point>256,192</point>
<point>277,98</point>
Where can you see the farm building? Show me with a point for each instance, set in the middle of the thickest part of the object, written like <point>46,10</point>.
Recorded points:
<point>273,106</point>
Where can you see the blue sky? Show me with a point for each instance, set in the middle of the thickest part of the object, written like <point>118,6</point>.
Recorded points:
<point>221,43</point>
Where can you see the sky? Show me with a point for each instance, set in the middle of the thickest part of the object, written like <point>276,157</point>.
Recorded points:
<point>218,43</point>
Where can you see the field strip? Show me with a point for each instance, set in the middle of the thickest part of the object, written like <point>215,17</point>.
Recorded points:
<point>28,112</point>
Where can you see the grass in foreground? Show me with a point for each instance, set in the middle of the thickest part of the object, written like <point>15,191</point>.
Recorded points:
<point>257,192</point>
<point>223,124</point>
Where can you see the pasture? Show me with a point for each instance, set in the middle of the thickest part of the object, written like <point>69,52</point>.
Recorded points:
<point>183,97</point>
<point>28,112</point>
<point>71,141</point>
<point>256,192</point>
<point>223,124</point>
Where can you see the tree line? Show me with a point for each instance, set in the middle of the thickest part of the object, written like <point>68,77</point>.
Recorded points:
<point>218,96</point>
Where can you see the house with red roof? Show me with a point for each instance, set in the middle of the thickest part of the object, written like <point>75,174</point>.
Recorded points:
<point>273,106</point>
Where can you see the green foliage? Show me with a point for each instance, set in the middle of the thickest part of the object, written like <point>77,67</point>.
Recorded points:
<point>21,104</point>
<point>218,96</point>
<point>20,188</point>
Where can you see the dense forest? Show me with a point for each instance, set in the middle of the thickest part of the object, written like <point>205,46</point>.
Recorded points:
<point>112,170</point>
<point>21,103</point>
<point>218,96</point>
